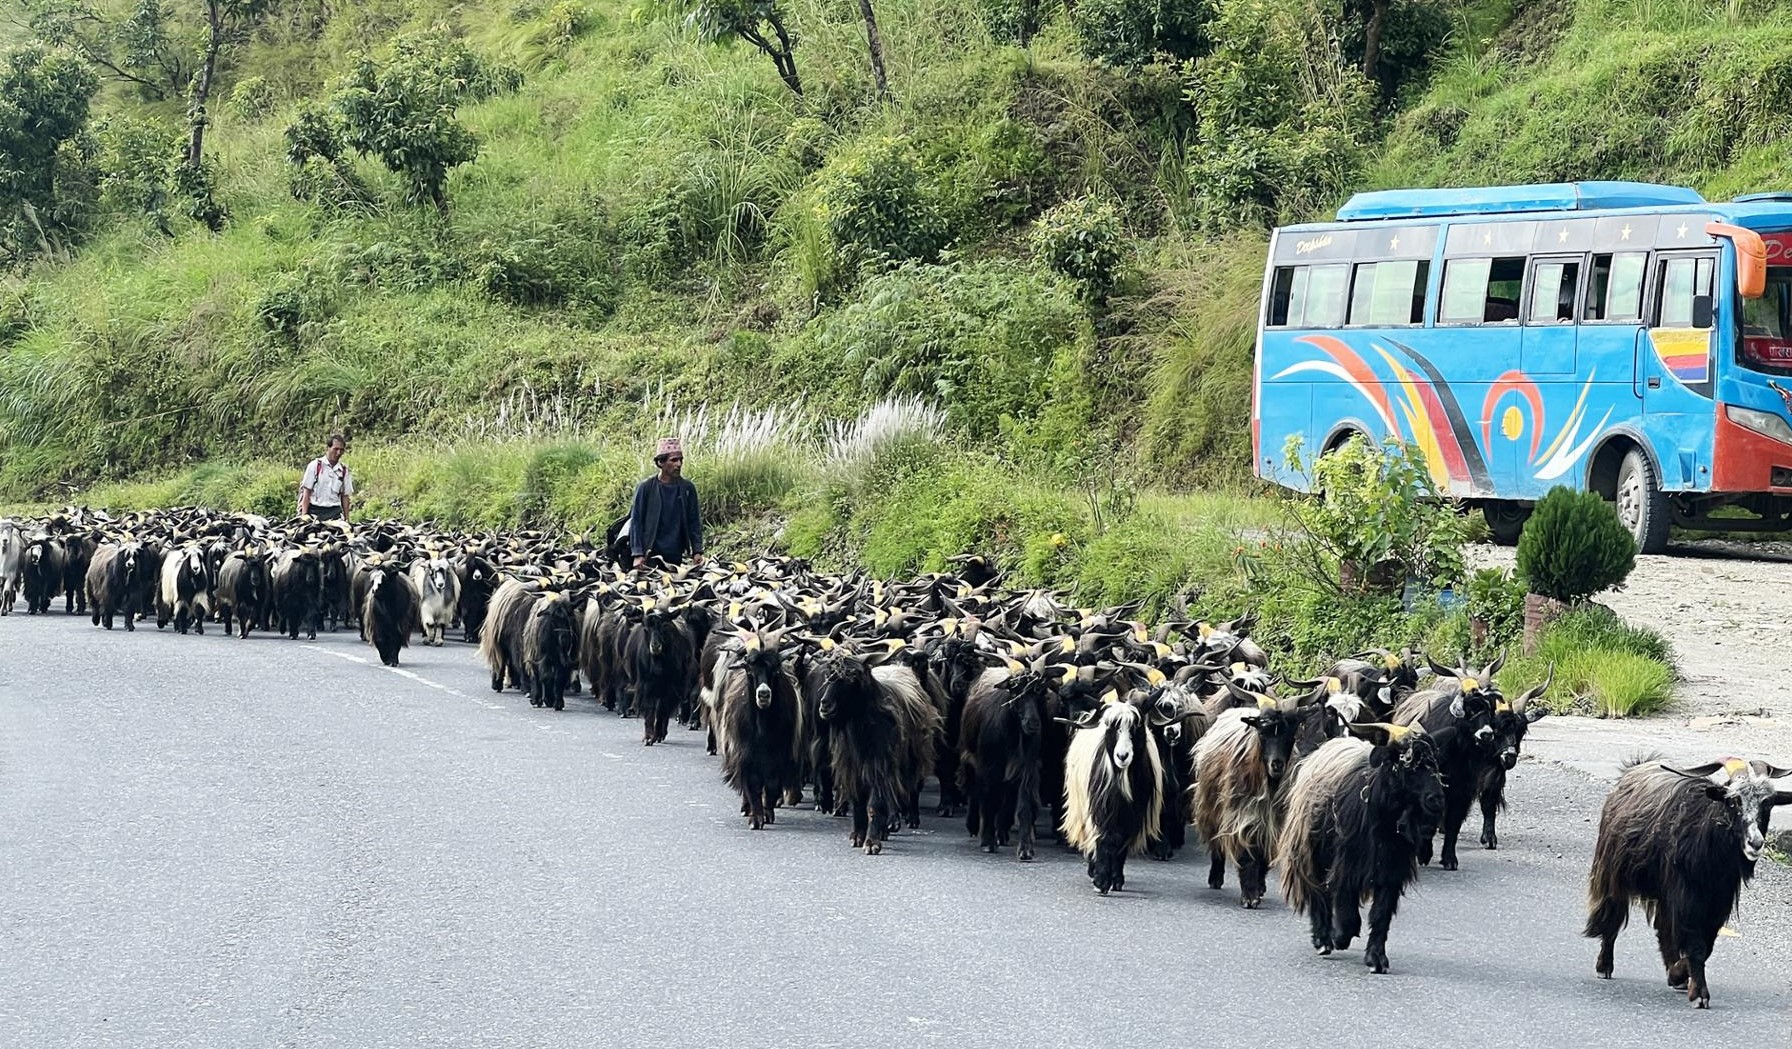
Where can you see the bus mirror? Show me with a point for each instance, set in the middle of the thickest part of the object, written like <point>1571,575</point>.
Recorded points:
<point>1701,311</point>
<point>1751,257</point>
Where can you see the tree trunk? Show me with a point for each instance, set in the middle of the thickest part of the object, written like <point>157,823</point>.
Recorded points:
<point>1378,15</point>
<point>877,50</point>
<point>202,83</point>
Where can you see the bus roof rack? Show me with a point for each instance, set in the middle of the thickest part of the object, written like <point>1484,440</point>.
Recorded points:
<point>1775,196</point>
<point>1502,200</point>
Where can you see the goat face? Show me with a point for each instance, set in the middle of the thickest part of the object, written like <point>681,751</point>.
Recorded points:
<point>1276,730</point>
<point>763,665</point>
<point>1123,724</point>
<point>1412,785</point>
<point>438,576</point>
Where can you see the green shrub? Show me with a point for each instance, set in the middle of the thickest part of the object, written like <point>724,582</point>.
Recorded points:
<point>1496,598</point>
<point>1084,239</point>
<point>1603,665</point>
<point>1130,33</point>
<point>879,207</point>
<point>1574,546</point>
<point>549,468</point>
<point>1380,512</point>
<point>252,99</point>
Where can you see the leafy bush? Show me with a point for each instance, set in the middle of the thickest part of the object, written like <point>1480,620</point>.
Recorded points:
<point>44,98</point>
<point>879,207</point>
<point>1084,239</point>
<point>402,109</point>
<point>981,337</point>
<point>1497,599</point>
<point>1380,511</point>
<point>135,166</point>
<point>1574,546</point>
<point>1130,33</point>
<point>252,99</point>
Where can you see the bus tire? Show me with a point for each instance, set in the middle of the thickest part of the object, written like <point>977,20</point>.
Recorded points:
<point>1505,520</point>
<point>1642,505</point>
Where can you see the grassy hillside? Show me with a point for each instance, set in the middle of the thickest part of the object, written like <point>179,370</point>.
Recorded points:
<point>1057,248</point>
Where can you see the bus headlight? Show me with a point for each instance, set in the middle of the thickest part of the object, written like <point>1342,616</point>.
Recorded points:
<point>1767,424</point>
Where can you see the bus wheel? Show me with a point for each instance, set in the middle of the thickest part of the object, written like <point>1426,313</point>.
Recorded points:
<point>1506,521</point>
<point>1642,505</point>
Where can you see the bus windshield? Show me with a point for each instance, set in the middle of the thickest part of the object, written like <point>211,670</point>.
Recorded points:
<point>1767,325</point>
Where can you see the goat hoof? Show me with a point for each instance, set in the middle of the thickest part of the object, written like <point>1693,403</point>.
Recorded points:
<point>1448,864</point>
<point>1026,854</point>
<point>872,848</point>
<point>1252,904</point>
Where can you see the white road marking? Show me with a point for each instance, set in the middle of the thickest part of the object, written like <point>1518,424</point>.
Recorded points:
<point>438,686</point>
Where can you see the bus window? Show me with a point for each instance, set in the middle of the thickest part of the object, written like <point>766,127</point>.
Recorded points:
<point>1389,293</point>
<point>1552,292</point>
<point>1326,291</point>
<point>1616,291</point>
<point>1682,280</point>
<point>1281,293</point>
<point>1481,291</point>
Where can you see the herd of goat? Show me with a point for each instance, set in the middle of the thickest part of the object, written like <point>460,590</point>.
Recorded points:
<point>859,691</point>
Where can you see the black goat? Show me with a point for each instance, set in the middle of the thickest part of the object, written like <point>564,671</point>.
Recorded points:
<point>1357,813</point>
<point>550,649</point>
<point>478,582</point>
<point>881,730</point>
<point>78,551</point>
<point>662,664</point>
<point>1241,776</point>
<point>1510,721</point>
<point>1001,755</point>
<point>390,611</point>
<point>243,589</point>
<point>112,583</point>
<point>43,573</point>
<point>501,636</point>
<point>1683,842</point>
<point>334,608</point>
<point>760,731</point>
<point>297,583</point>
<point>1465,701</point>
<point>1113,785</point>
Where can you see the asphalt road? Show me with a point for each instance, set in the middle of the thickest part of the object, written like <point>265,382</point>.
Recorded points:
<point>206,842</point>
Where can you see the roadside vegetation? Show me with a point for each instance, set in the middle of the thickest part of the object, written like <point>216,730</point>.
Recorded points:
<point>502,244</point>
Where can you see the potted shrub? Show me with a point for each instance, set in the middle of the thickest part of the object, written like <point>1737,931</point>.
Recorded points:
<point>1573,547</point>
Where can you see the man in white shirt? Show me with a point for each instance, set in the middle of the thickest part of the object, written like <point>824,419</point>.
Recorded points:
<point>325,491</point>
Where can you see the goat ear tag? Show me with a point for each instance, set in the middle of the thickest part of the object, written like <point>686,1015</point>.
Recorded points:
<point>1469,684</point>
<point>1203,630</point>
<point>1391,661</point>
<point>1155,676</point>
<point>1068,644</point>
<point>1332,684</point>
<point>752,642</point>
<point>1502,707</point>
<point>827,644</point>
<point>1110,697</point>
<point>1735,767</point>
<point>1238,669</point>
<point>1265,702</point>
<point>1014,666</point>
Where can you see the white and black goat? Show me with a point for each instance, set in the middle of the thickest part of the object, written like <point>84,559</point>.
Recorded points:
<point>1114,784</point>
<point>438,592</point>
<point>184,596</point>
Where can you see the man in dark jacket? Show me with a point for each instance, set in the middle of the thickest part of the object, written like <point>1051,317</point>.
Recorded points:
<point>665,521</point>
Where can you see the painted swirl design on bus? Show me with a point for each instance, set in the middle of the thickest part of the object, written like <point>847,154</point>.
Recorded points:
<point>1424,411</point>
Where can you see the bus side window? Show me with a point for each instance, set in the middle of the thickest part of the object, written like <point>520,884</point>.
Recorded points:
<point>1281,293</point>
<point>1552,292</point>
<point>1481,291</point>
<point>1327,288</point>
<point>1389,293</point>
<point>1683,281</point>
<point>1616,290</point>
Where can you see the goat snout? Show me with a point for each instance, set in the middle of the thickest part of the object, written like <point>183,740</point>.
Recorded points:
<point>1753,843</point>
<point>1509,758</point>
<point>1483,734</point>
<point>1276,766</point>
<point>1123,755</point>
<point>763,695</point>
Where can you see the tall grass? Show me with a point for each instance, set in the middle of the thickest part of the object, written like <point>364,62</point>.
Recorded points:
<point>1603,666</point>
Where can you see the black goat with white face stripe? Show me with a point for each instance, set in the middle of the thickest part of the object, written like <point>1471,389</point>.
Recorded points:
<point>1114,783</point>
<point>1463,702</point>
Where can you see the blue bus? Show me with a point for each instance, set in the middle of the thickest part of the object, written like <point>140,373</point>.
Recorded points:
<point>1623,337</point>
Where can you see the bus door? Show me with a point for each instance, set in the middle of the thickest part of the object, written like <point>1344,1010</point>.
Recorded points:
<point>1611,332</point>
<point>1674,363</point>
<point>1551,305</point>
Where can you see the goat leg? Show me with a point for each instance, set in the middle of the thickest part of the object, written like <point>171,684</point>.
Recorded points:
<point>1381,916</point>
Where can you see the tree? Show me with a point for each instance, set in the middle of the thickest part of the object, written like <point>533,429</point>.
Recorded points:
<point>139,48</point>
<point>227,22</point>
<point>876,44</point>
<point>721,20</point>
<point>45,96</point>
<point>402,110</point>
